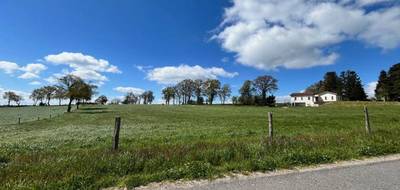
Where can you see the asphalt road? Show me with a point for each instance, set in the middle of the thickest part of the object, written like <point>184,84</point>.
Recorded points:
<point>384,175</point>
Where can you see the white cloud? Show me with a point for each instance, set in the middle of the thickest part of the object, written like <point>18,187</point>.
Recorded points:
<point>172,74</point>
<point>8,67</point>
<point>85,66</point>
<point>125,90</point>
<point>370,90</point>
<point>32,70</point>
<point>268,34</point>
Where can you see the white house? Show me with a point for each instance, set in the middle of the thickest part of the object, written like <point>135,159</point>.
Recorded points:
<point>311,99</point>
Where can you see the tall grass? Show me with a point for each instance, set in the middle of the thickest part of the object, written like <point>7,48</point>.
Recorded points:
<point>185,142</point>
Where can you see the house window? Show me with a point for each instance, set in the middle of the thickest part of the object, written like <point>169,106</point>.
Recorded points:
<point>309,98</point>
<point>326,98</point>
<point>332,98</point>
<point>295,98</point>
<point>301,98</point>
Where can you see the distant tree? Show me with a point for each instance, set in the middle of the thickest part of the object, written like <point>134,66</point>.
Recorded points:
<point>102,100</point>
<point>383,87</point>
<point>394,82</point>
<point>352,86</point>
<point>130,98</point>
<point>270,101</point>
<point>148,97</point>
<point>246,93</point>
<point>115,101</point>
<point>224,93</point>
<point>60,94</point>
<point>235,100</point>
<point>210,89</point>
<point>198,91</point>
<point>49,92</point>
<point>168,94</point>
<point>264,85</point>
<point>37,95</point>
<point>10,96</point>
<point>315,88</point>
<point>18,99</point>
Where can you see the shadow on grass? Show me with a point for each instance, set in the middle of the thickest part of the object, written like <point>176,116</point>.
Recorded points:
<point>92,109</point>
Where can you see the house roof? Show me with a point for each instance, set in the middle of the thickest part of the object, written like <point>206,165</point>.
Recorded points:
<point>302,94</point>
<point>310,94</point>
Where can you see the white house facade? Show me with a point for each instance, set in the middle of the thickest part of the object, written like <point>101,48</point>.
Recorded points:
<point>312,100</point>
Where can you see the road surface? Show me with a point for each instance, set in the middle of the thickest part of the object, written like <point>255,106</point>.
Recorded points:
<point>373,175</point>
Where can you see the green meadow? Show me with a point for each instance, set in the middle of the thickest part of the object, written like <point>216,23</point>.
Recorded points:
<point>158,143</point>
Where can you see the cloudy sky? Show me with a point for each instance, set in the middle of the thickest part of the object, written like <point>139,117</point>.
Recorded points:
<point>139,45</point>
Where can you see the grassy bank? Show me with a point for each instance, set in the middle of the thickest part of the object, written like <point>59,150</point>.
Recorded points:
<point>174,142</point>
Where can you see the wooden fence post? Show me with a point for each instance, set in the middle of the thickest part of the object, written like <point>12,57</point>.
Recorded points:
<point>270,128</point>
<point>19,120</point>
<point>367,124</point>
<point>38,118</point>
<point>50,116</point>
<point>117,128</point>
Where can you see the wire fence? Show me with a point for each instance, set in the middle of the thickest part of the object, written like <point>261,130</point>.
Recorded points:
<point>23,114</point>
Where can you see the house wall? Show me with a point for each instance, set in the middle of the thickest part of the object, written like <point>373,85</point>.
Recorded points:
<point>328,97</point>
<point>307,100</point>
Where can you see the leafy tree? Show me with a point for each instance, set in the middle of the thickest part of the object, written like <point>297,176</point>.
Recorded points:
<point>211,88</point>
<point>10,96</point>
<point>115,101</point>
<point>315,88</point>
<point>75,88</point>
<point>265,84</point>
<point>60,94</point>
<point>246,93</point>
<point>383,87</point>
<point>102,99</point>
<point>352,86</point>
<point>49,92</point>
<point>37,95</point>
<point>394,82</point>
<point>130,98</point>
<point>198,90</point>
<point>168,94</point>
<point>235,100</point>
<point>224,92</point>
<point>148,97</point>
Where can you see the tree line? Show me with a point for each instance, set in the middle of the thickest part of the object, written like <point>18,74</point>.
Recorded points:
<point>388,86</point>
<point>146,97</point>
<point>348,86</point>
<point>256,92</point>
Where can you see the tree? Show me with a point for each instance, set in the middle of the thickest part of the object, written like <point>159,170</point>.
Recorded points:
<point>235,100</point>
<point>265,84</point>
<point>130,98</point>
<point>72,86</point>
<point>10,96</point>
<point>315,88</point>
<point>148,97</point>
<point>49,92</point>
<point>37,95</point>
<point>382,87</point>
<point>102,100</point>
<point>168,94</point>
<point>352,86</point>
<point>60,94</point>
<point>332,83</point>
<point>246,93</point>
<point>198,91</point>
<point>224,92</point>
<point>394,82</point>
<point>210,89</point>
<point>18,99</point>
<point>115,101</point>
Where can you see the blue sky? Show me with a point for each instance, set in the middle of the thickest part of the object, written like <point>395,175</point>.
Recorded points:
<point>147,45</point>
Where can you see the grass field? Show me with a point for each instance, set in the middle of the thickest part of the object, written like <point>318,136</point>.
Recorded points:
<point>10,115</point>
<point>174,142</point>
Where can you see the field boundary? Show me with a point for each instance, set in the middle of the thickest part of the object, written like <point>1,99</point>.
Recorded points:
<point>184,184</point>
